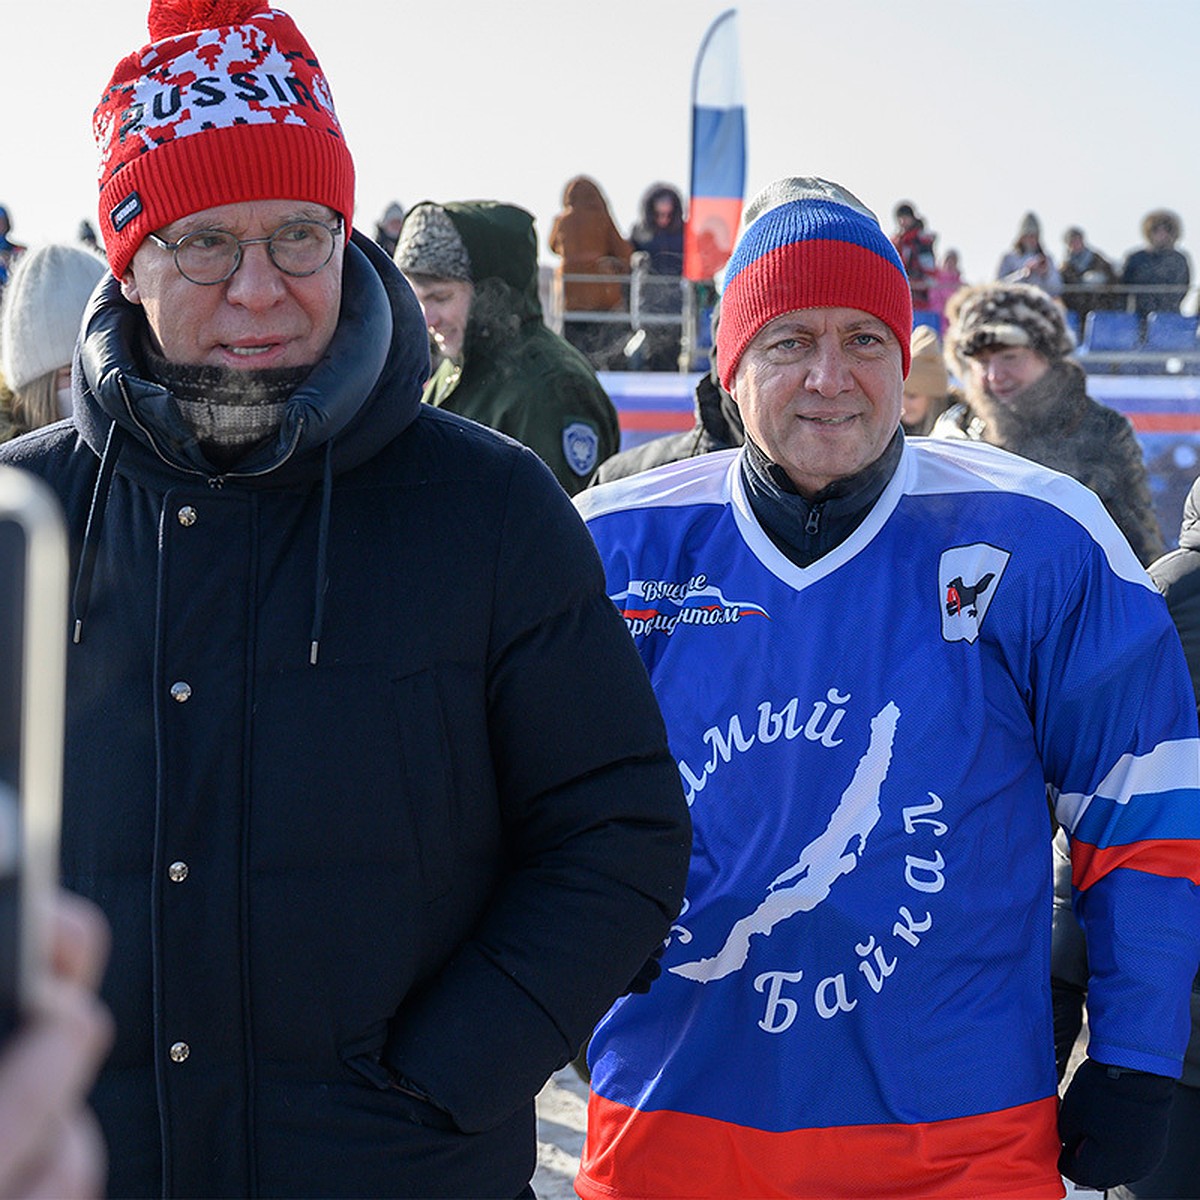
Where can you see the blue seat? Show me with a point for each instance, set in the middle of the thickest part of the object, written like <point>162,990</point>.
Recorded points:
<point>1110,332</point>
<point>1167,331</point>
<point>925,316</point>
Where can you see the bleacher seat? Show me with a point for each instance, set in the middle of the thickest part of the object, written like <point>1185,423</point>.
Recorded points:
<point>925,316</point>
<point>1170,331</point>
<point>1170,346</point>
<point>1110,333</point>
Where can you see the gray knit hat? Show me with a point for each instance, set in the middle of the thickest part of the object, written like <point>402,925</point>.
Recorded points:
<point>1004,314</point>
<point>43,304</point>
<point>430,245</point>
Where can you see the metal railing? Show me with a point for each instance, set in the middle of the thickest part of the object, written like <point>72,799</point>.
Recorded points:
<point>1122,297</point>
<point>651,307</point>
<point>647,302</point>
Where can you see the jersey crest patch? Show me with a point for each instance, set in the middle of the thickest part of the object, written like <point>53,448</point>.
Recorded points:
<point>968,577</point>
<point>581,447</point>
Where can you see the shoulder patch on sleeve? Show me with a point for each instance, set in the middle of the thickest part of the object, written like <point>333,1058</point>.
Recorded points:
<point>581,446</point>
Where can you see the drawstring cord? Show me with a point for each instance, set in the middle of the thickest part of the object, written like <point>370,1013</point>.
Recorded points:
<point>82,593</point>
<point>322,582</point>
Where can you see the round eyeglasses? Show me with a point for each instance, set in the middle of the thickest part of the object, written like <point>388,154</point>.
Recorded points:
<point>211,256</point>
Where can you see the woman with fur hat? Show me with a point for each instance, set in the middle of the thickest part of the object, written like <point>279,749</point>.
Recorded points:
<point>39,322</point>
<point>1009,345</point>
<point>1158,265</point>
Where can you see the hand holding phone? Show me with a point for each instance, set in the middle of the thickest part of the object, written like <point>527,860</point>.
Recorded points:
<point>33,589</point>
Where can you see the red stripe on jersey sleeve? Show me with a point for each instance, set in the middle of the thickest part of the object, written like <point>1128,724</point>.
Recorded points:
<point>1177,859</point>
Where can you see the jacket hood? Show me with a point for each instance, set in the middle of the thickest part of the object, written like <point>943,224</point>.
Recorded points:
<point>582,192</point>
<point>502,244</point>
<point>648,226</point>
<point>379,348</point>
<point>338,418</point>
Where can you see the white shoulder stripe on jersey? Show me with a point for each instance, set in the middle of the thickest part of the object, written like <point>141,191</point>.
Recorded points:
<point>699,480</point>
<point>1168,766</point>
<point>951,466</point>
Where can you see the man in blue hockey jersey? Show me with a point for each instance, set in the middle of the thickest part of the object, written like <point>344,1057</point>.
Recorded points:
<point>874,656</point>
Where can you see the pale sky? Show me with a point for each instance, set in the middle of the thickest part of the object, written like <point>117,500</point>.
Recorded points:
<point>1084,111</point>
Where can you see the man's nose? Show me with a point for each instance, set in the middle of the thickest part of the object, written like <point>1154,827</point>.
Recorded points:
<point>257,282</point>
<point>828,372</point>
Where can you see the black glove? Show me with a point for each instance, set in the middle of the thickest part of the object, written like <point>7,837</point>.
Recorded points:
<point>1113,1124</point>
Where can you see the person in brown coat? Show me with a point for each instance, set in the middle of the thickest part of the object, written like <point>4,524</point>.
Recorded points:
<point>586,238</point>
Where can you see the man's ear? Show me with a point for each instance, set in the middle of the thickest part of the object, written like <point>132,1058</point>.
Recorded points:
<point>129,287</point>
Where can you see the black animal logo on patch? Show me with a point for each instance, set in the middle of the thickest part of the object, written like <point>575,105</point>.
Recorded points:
<point>961,597</point>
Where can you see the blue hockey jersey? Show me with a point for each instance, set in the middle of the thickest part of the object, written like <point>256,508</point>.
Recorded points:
<point>855,999</point>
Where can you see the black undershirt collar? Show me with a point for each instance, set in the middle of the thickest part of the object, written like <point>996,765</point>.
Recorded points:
<point>806,529</point>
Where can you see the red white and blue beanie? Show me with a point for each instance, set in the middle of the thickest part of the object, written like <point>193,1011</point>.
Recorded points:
<point>809,243</point>
<point>227,103</point>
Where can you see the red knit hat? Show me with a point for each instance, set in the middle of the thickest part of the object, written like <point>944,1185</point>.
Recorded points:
<point>227,103</point>
<point>809,243</point>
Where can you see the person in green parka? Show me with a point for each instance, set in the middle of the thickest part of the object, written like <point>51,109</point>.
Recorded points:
<point>473,266</point>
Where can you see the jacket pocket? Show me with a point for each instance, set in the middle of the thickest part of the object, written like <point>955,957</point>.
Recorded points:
<point>406,1102</point>
<point>428,777</point>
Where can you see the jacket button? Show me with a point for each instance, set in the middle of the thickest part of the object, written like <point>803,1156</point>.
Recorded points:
<point>186,516</point>
<point>181,691</point>
<point>177,872</point>
<point>179,1051</point>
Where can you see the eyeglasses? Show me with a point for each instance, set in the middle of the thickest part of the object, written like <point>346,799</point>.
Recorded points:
<point>211,256</point>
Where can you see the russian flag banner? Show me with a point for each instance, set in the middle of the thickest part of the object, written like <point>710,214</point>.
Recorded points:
<point>718,151</point>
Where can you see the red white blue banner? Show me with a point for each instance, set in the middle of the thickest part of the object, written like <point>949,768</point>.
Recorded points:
<point>718,151</point>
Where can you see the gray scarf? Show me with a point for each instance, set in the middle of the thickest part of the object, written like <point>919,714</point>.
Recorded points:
<point>229,411</point>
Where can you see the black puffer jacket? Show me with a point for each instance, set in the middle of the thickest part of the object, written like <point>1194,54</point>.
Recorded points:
<point>439,851</point>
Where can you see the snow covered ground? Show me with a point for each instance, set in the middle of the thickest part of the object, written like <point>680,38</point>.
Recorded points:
<point>562,1119</point>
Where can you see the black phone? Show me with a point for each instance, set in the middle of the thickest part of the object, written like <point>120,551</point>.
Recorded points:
<point>33,602</point>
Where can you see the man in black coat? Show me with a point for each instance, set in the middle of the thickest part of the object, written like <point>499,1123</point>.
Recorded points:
<point>361,763</point>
